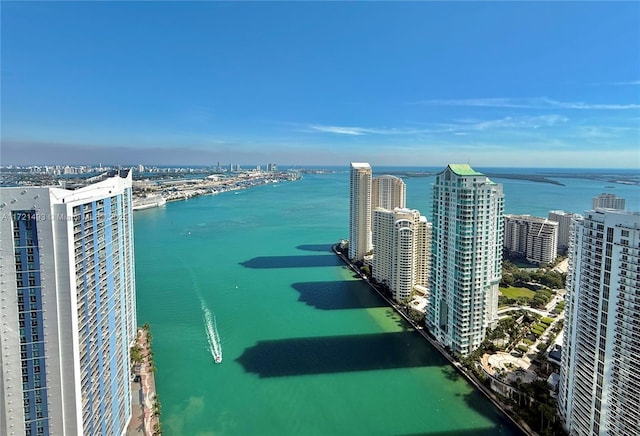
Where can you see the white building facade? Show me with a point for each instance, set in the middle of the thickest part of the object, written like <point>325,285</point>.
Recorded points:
<point>564,220</point>
<point>599,390</point>
<point>360,243</point>
<point>68,314</point>
<point>467,257</point>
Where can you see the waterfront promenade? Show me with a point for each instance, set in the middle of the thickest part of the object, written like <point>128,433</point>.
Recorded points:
<point>420,329</point>
<point>145,414</point>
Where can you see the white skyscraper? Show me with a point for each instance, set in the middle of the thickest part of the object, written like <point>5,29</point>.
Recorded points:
<point>388,192</point>
<point>67,314</point>
<point>399,238</point>
<point>599,391</point>
<point>360,211</point>
<point>467,257</point>
<point>564,220</point>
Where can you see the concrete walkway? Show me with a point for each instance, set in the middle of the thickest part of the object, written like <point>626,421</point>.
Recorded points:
<point>143,419</point>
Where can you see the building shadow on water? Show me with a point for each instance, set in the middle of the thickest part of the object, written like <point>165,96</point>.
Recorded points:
<point>333,354</point>
<point>326,248</point>
<point>499,429</point>
<point>337,295</point>
<point>304,261</point>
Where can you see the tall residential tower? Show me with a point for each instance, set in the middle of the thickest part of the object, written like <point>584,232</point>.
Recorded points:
<point>599,391</point>
<point>67,312</point>
<point>360,211</point>
<point>401,249</point>
<point>467,257</point>
<point>388,192</point>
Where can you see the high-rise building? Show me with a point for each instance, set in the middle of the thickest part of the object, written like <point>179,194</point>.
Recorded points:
<point>599,390</point>
<point>400,244</point>
<point>360,211</point>
<point>68,313</point>
<point>423,267</point>
<point>564,220</point>
<point>388,192</point>
<point>534,238</point>
<point>608,201</point>
<point>467,257</point>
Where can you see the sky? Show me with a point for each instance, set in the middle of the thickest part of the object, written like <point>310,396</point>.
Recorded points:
<point>493,84</point>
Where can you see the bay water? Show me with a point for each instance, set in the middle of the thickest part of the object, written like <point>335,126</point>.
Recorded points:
<point>307,348</point>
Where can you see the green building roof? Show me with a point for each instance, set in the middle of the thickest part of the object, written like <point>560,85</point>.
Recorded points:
<point>464,170</point>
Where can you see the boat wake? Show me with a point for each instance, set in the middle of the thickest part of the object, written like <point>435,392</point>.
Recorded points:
<point>211,329</point>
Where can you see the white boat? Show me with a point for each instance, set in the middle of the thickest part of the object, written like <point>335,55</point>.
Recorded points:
<point>213,338</point>
<point>148,202</point>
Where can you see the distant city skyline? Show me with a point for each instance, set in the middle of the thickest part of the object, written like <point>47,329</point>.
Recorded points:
<point>505,84</point>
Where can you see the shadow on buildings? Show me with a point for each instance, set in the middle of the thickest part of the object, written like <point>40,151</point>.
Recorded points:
<point>335,295</point>
<point>332,354</point>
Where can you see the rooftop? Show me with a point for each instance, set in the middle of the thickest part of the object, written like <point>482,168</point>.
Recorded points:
<point>464,170</point>
<point>360,165</point>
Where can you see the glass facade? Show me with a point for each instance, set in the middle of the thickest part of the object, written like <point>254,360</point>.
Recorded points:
<point>30,319</point>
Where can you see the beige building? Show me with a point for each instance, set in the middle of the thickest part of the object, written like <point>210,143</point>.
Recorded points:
<point>388,192</point>
<point>401,250</point>
<point>608,201</point>
<point>534,238</point>
<point>359,211</point>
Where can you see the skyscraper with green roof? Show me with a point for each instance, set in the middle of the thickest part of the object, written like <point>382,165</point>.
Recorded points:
<point>468,234</point>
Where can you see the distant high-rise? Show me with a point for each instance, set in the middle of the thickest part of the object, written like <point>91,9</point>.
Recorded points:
<point>564,220</point>
<point>608,201</point>
<point>388,192</point>
<point>599,390</point>
<point>534,238</point>
<point>400,241</point>
<point>360,211</point>
<point>68,311</point>
<point>467,257</point>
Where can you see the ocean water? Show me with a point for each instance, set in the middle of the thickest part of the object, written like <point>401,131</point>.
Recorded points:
<point>307,348</point>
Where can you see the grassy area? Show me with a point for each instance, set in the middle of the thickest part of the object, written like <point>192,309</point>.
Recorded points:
<point>513,292</point>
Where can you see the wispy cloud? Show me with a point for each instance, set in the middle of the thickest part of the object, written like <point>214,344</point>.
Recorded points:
<point>627,83</point>
<point>344,130</point>
<point>529,103</point>
<point>458,127</point>
<point>529,122</point>
<point>340,130</point>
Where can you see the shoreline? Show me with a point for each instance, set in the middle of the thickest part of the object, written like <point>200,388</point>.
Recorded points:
<point>187,189</point>
<point>149,421</point>
<point>454,363</point>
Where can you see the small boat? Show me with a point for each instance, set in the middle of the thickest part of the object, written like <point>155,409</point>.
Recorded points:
<point>218,359</point>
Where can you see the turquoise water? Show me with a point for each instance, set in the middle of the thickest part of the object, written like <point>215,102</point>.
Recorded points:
<point>307,348</point>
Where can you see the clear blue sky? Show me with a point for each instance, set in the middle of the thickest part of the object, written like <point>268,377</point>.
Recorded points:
<point>419,83</point>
